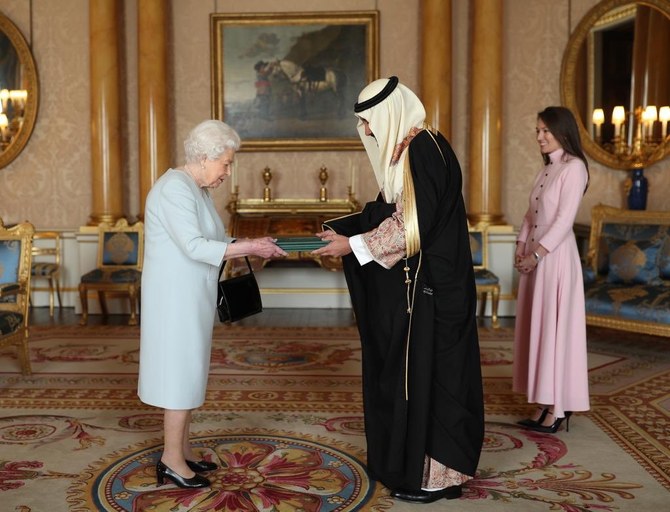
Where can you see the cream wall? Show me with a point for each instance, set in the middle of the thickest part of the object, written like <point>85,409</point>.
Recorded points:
<point>49,183</point>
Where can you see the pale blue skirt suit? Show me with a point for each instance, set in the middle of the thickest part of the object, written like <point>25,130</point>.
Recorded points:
<point>185,241</point>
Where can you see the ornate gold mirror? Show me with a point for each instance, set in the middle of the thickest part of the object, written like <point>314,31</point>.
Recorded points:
<point>19,93</point>
<point>615,78</point>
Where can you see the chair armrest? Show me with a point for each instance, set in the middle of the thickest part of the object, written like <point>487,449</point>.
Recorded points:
<point>8,289</point>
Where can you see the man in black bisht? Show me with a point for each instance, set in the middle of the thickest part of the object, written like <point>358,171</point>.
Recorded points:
<point>409,270</point>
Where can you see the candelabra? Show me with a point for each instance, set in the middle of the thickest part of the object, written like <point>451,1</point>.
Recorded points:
<point>641,141</point>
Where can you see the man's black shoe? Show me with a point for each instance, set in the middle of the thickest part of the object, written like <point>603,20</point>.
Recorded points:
<point>421,496</point>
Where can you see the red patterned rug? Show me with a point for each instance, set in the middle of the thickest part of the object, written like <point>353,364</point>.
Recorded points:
<point>283,419</point>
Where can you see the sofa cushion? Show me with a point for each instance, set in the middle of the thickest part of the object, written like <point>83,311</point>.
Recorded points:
<point>634,262</point>
<point>623,231</point>
<point>649,303</point>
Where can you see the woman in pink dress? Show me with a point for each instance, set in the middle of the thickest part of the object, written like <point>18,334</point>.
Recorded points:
<point>550,363</point>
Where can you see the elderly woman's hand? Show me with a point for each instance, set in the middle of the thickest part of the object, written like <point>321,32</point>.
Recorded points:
<point>338,246</point>
<point>266,248</point>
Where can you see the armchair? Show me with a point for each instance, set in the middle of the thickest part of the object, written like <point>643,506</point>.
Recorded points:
<point>15,260</point>
<point>119,267</point>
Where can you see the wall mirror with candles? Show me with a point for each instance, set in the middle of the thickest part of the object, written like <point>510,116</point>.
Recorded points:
<point>18,91</point>
<point>615,77</point>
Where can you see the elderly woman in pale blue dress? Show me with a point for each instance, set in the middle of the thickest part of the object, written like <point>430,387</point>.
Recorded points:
<point>185,245</point>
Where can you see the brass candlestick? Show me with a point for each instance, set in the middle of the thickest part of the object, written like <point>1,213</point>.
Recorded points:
<point>323,178</point>
<point>267,177</point>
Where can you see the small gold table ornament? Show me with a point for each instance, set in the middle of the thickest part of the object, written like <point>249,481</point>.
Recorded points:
<point>323,178</point>
<point>267,177</point>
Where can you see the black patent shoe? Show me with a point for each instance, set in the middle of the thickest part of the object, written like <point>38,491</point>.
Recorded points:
<point>553,428</point>
<point>163,472</point>
<point>530,423</point>
<point>421,496</point>
<point>200,466</point>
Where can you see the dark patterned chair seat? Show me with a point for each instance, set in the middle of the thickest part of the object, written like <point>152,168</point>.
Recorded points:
<point>112,276</point>
<point>485,277</point>
<point>43,269</point>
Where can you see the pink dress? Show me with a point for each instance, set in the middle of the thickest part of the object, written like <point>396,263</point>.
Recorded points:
<point>550,362</point>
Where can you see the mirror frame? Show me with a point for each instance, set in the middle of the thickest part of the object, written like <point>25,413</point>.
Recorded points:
<point>569,78</point>
<point>31,84</point>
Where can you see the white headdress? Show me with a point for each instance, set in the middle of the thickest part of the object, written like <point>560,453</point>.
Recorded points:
<point>391,110</point>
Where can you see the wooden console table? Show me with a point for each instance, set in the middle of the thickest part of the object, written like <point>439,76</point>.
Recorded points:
<point>253,218</point>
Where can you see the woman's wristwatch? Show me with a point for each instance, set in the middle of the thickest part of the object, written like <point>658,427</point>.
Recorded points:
<point>536,256</point>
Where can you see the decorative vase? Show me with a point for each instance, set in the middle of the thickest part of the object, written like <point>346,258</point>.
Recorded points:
<point>637,195</point>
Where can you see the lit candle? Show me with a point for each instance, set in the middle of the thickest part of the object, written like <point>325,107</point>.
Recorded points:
<point>4,96</point>
<point>651,115</point>
<point>664,117</point>
<point>4,123</point>
<point>598,120</point>
<point>618,117</point>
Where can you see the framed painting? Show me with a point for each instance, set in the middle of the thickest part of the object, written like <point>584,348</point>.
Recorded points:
<point>288,82</point>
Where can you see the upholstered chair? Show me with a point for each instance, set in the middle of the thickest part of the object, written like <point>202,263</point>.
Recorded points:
<point>119,267</point>
<point>47,264</point>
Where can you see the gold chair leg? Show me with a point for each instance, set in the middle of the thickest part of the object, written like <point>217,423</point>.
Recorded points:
<point>132,295</point>
<point>482,307</point>
<point>60,302</point>
<point>495,298</point>
<point>83,295</point>
<point>51,296</point>
<point>24,356</point>
<point>103,302</point>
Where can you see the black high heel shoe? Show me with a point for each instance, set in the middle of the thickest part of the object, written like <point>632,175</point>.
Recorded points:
<point>529,422</point>
<point>163,472</point>
<point>553,428</point>
<point>200,466</point>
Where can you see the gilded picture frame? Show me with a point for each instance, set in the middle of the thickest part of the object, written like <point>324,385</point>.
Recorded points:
<point>288,82</point>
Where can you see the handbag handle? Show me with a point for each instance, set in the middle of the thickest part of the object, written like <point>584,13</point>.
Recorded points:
<point>251,270</point>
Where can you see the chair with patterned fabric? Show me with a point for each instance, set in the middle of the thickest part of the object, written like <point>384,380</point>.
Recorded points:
<point>15,259</point>
<point>486,281</point>
<point>119,267</point>
<point>46,263</point>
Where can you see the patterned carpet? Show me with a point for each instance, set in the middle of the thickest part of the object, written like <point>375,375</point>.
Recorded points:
<point>283,418</point>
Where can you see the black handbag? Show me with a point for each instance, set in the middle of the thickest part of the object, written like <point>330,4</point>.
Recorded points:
<point>238,297</point>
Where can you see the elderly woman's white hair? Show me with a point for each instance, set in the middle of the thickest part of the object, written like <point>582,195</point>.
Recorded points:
<point>210,139</point>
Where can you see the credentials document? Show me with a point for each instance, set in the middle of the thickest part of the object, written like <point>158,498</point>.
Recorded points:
<point>306,243</point>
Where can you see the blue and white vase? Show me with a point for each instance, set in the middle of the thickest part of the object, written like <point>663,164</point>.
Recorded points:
<point>637,195</point>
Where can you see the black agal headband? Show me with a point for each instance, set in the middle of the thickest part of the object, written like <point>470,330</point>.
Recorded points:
<point>378,98</point>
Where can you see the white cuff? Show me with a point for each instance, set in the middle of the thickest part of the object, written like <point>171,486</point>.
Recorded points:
<point>360,250</point>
